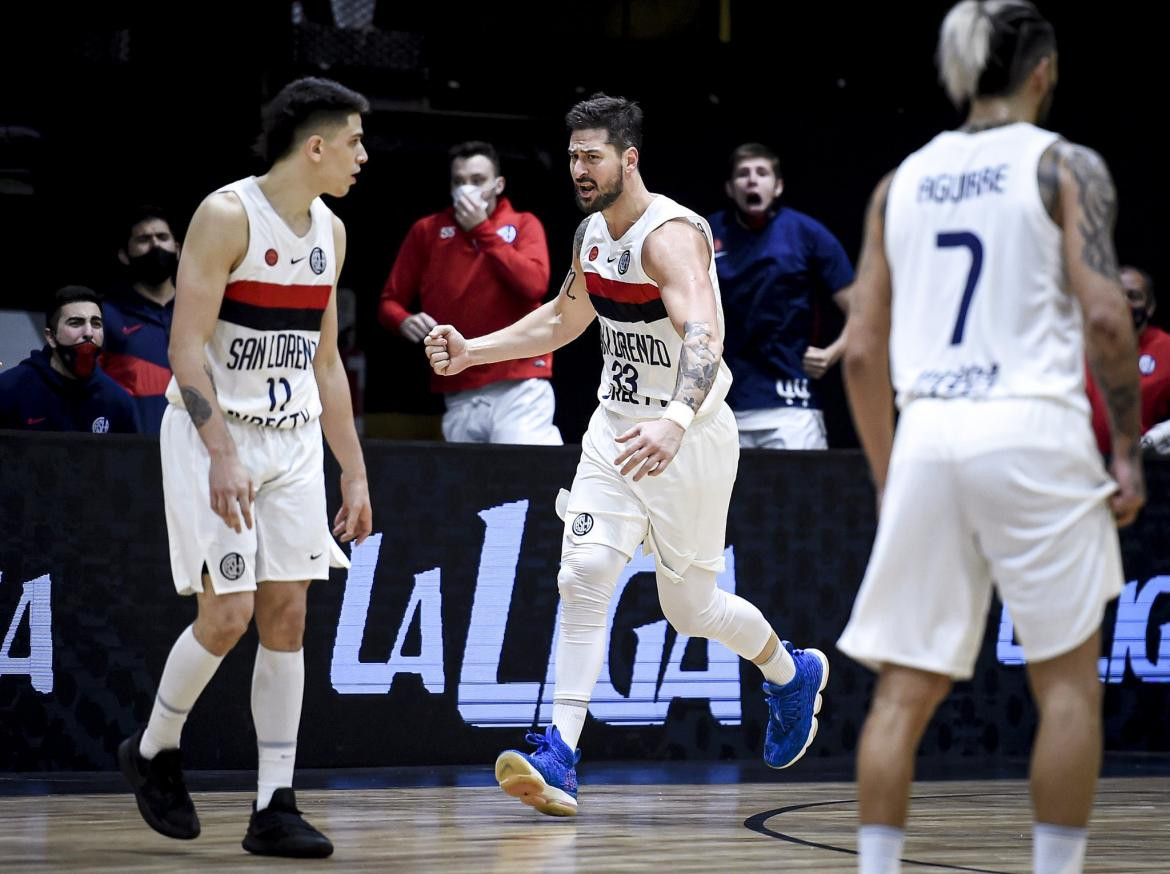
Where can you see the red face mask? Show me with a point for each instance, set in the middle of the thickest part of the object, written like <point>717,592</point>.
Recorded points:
<point>80,359</point>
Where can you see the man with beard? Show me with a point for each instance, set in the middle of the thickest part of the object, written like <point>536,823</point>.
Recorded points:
<point>659,458</point>
<point>986,277</point>
<point>1153,365</point>
<point>778,270</point>
<point>62,387</point>
<point>138,315</point>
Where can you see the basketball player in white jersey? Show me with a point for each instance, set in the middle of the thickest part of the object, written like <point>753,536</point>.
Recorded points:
<point>987,275</point>
<point>257,378</point>
<point>659,459</point>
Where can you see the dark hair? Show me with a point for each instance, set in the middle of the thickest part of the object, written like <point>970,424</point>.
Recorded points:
<point>67,295</point>
<point>1147,280</point>
<point>1020,37</point>
<point>621,119</point>
<point>300,104</point>
<point>475,147</point>
<point>138,214</point>
<point>753,150</point>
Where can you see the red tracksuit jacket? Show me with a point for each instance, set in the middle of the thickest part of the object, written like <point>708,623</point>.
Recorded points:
<point>478,281</point>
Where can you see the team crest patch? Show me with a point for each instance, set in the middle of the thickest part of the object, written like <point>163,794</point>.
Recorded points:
<point>232,566</point>
<point>507,233</point>
<point>624,262</point>
<point>583,524</point>
<point>101,425</point>
<point>446,232</point>
<point>593,253</point>
<point>1147,364</point>
<point>270,257</point>
<point>317,260</point>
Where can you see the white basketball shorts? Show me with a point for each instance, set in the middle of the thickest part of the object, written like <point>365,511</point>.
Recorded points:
<point>290,538</point>
<point>680,515</point>
<point>1007,493</point>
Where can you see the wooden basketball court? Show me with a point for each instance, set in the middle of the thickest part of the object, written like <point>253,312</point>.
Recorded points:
<point>968,825</point>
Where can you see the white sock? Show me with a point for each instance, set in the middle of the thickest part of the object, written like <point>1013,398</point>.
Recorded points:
<point>278,688</point>
<point>569,718</point>
<point>879,849</point>
<point>1058,849</point>
<point>780,668</point>
<point>188,670</point>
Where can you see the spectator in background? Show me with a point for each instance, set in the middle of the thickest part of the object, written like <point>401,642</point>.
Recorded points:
<point>478,265</point>
<point>138,313</point>
<point>1153,365</point>
<point>62,387</point>
<point>777,268</point>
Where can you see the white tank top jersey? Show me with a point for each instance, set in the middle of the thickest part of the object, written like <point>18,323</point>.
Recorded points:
<point>979,307</point>
<point>261,352</point>
<point>639,344</point>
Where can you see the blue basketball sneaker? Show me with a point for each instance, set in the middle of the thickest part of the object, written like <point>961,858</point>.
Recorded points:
<point>546,779</point>
<point>792,708</point>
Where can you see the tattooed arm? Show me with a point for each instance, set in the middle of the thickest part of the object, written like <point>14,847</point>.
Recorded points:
<point>216,242</point>
<point>677,256</point>
<point>546,328</point>
<point>1084,203</point>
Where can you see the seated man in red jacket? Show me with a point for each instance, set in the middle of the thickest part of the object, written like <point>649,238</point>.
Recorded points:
<point>478,265</point>
<point>1153,364</point>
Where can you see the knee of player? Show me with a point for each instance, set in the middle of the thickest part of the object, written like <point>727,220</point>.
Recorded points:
<point>221,629</point>
<point>686,616</point>
<point>903,690</point>
<point>588,574</point>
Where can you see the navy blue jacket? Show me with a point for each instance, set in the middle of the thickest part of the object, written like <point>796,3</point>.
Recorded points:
<point>34,397</point>
<point>773,281</point>
<point>135,351</point>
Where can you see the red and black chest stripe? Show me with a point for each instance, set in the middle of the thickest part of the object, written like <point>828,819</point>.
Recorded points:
<point>269,306</point>
<point>624,301</point>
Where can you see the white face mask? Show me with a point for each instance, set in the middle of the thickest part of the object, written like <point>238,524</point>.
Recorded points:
<point>472,191</point>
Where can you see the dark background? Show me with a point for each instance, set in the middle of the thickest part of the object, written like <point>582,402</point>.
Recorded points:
<point>160,103</point>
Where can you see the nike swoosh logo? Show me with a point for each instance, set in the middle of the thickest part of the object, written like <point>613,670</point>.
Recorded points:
<point>613,258</point>
<point>35,421</point>
<point>130,329</point>
<point>298,260</point>
<point>315,557</point>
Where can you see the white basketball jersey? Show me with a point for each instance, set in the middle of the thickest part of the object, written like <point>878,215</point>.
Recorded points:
<point>261,352</point>
<point>980,308</point>
<point>639,344</point>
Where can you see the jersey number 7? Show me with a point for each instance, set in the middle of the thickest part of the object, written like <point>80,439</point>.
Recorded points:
<point>966,240</point>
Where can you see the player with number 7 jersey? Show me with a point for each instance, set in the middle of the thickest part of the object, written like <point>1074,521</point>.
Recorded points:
<point>986,278</point>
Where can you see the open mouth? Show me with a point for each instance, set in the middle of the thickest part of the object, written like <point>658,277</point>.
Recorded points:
<point>753,199</point>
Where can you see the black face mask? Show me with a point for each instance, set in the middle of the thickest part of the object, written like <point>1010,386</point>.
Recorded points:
<point>154,267</point>
<point>1141,317</point>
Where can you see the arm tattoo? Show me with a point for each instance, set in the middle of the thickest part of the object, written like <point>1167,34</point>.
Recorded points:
<point>1124,403</point>
<point>579,238</point>
<point>198,407</point>
<point>697,365</point>
<point>1048,178</point>
<point>1098,201</point>
<point>567,285</point>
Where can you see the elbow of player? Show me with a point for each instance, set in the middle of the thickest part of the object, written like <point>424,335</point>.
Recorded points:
<point>1107,327</point>
<point>858,358</point>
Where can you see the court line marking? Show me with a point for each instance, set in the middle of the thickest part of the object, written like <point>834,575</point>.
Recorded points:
<point>756,824</point>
